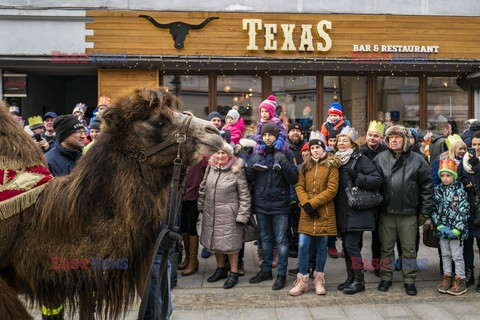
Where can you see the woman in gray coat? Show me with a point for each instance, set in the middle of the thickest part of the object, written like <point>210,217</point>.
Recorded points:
<point>225,202</point>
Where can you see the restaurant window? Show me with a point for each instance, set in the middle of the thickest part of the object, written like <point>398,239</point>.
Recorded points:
<point>398,101</point>
<point>192,91</point>
<point>446,102</point>
<point>244,92</point>
<point>351,93</point>
<point>296,100</point>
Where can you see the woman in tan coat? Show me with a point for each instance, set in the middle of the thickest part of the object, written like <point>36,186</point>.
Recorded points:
<point>316,188</point>
<point>225,202</point>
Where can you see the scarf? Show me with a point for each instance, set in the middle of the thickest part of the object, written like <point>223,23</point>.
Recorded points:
<point>345,155</point>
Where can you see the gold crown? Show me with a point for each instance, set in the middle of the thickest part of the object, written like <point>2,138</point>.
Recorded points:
<point>451,139</point>
<point>377,127</point>
<point>351,132</point>
<point>35,121</point>
<point>449,165</point>
<point>316,135</point>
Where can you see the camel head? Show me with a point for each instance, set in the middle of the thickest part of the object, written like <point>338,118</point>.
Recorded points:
<point>149,118</point>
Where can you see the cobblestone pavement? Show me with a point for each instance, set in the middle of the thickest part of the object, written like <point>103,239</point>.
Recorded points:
<point>195,298</point>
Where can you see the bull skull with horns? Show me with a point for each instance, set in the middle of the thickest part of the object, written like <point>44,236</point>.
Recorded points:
<point>178,30</point>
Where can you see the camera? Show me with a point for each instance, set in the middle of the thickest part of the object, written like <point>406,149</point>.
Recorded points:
<point>37,137</point>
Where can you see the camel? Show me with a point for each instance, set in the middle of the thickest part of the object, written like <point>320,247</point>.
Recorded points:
<point>109,207</point>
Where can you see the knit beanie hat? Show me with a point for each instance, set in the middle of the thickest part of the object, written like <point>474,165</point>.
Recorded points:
<point>316,142</point>
<point>226,135</point>
<point>95,125</point>
<point>270,104</point>
<point>305,147</point>
<point>294,125</point>
<point>66,125</point>
<point>414,134</point>
<point>448,165</point>
<point>234,114</point>
<point>214,114</point>
<point>270,128</point>
<point>335,108</point>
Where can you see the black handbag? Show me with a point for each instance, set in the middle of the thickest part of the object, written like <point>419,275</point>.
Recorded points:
<point>251,232</point>
<point>359,198</point>
<point>429,239</point>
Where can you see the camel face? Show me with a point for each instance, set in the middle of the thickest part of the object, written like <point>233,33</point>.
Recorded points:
<point>155,119</point>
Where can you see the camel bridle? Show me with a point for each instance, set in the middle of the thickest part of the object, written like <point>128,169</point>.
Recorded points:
<point>174,206</point>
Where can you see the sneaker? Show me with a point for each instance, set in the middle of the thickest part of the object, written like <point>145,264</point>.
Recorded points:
<point>260,277</point>
<point>279,283</point>
<point>332,252</point>
<point>277,167</point>
<point>205,253</point>
<point>260,167</point>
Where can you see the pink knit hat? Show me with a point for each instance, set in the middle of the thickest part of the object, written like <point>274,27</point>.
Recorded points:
<point>270,104</point>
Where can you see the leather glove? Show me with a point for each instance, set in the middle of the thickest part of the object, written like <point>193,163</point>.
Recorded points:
<point>262,144</point>
<point>282,159</point>
<point>314,214</point>
<point>278,144</point>
<point>350,173</point>
<point>473,161</point>
<point>307,207</point>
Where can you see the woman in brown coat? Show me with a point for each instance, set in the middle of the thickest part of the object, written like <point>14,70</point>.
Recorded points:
<point>316,188</point>
<point>225,202</point>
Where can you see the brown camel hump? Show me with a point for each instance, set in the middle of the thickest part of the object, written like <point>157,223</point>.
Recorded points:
<point>17,148</point>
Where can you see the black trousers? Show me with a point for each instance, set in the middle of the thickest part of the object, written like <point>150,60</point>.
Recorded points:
<point>189,217</point>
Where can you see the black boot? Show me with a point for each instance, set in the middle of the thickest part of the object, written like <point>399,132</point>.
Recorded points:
<point>350,277</point>
<point>478,285</point>
<point>470,276</point>
<point>261,276</point>
<point>220,273</point>
<point>231,281</point>
<point>358,284</point>
<point>279,283</point>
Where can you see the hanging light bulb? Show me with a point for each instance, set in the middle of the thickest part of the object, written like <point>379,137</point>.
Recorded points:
<point>227,88</point>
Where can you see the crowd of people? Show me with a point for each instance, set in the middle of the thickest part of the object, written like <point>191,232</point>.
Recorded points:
<point>296,187</point>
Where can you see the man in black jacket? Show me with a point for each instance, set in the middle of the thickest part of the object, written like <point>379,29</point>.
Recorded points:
<point>407,188</point>
<point>68,148</point>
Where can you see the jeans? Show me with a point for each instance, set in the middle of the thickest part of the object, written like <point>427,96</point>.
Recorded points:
<point>273,228</point>
<point>304,241</point>
<point>152,299</point>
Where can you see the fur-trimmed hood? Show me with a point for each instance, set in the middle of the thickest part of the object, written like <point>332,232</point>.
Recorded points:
<point>399,130</point>
<point>331,161</point>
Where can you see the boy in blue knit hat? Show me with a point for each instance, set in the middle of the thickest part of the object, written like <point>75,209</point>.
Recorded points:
<point>335,121</point>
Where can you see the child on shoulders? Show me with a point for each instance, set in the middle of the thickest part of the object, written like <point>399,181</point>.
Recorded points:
<point>235,124</point>
<point>335,121</point>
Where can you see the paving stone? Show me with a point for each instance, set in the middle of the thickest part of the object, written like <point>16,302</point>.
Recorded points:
<point>293,313</point>
<point>332,312</point>
<point>393,310</point>
<point>427,311</point>
<point>359,312</point>
<point>457,307</point>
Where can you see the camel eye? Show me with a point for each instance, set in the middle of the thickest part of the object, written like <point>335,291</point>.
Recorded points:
<point>158,124</point>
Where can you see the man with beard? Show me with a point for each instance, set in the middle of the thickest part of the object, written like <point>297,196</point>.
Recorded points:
<point>295,141</point>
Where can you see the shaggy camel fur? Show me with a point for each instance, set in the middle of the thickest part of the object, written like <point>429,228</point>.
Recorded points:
<point>105,208</point>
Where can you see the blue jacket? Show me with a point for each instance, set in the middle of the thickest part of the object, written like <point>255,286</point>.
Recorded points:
<point>61,160</point>
<point>272,188</point>
<point>451,209</point>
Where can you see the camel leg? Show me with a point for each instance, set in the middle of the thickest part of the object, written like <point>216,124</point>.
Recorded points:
<point>10,306</point>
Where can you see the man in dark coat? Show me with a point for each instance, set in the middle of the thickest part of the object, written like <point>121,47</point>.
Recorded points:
<point>437,143</point>
<point>70,132</point>
<point>272,204</point>
<point>407,188</point>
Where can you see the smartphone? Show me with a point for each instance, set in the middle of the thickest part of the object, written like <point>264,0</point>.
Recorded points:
<point>472,151</point>
<point>37,137</point>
